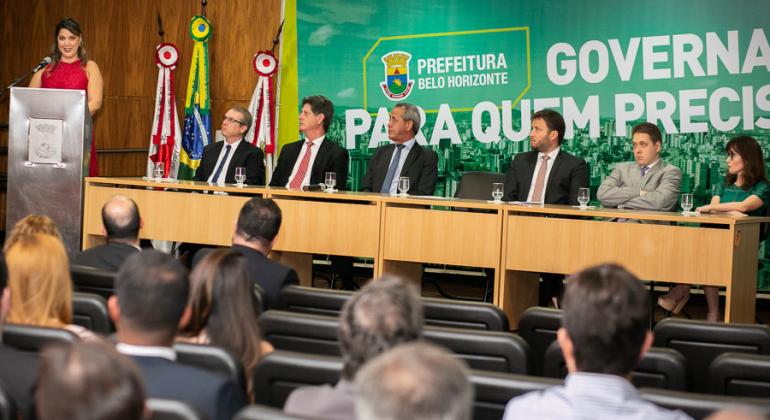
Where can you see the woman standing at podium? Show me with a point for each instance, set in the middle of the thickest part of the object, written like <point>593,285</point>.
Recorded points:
<point>70,68</point>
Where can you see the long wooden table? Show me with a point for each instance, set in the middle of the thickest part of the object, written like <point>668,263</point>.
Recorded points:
<point>400,234</point>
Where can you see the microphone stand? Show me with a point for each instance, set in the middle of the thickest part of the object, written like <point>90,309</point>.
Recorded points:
<point>17,81</point>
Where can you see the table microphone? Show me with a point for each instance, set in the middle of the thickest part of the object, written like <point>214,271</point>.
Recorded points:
<point>46,61</point>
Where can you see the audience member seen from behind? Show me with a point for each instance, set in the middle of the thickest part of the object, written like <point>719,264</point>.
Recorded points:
<point>30,225</point>
<point>88,381</point>
<point>385,313</point>
<point>40,283</point>
<point>416,381</point>
<point>223,309</point>
<point>603,336</point>
<point>746,191</point>
<point>121,223</point>
<point>148,307</point>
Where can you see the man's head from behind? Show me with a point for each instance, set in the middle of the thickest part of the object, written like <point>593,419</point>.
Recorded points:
<point>150,298</point>
<point>384,314</point>
<point>604,327</point>
<point>647,141</point>
<point>121,219</point>
<point>414,381</point>
<point>258,222</point>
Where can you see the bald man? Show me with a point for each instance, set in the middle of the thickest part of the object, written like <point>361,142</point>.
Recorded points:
<point>121,223</point>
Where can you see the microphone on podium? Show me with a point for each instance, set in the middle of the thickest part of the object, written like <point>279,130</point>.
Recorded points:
<point>46,61</point>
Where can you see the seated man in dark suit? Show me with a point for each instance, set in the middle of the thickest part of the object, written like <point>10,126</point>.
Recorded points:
<point>18,369</point>
<point>121,223</point>
<point>403,158</point>
<point>306,162</point>
<point>149,304</point>
<point>546,175</point>
<point>219,160</point>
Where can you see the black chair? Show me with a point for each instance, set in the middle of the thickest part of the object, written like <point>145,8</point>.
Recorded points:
<point>163,409</point>
<point>93,280</point>
<point>33,339</point>
<point>739,374</point>
<point>7,407</point>
<point>659,368</point>
<point>213,359</point>
<point>699,406</point>
<point>538,327</point>
<point>701,342</point>
<point>478,185</point>
<point>263,412</point>
<point>311,300</point>
<point>280,372</point>
<point>493,391</point>
<point>483,350</point>
<point>307,333</point>
<point>89,310</point>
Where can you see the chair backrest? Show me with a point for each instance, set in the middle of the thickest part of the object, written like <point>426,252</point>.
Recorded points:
<point>311,300</point>
<point>659,368</point>
<point>308,333</point>
<point>33,339</point>
<point>280,372</point>
<point>739,374</point>
<point>478,185</point>
<point>538,326</point>
<point>700,406</point>
<point>163,409</point>
<point>263,412</point>
<point>701,342</point>
<point>7,407</point>
<point>93,280</point>
<point>493,391</point>
<point>211,358</point>
<point>483,350</point>
<point>89,310</point>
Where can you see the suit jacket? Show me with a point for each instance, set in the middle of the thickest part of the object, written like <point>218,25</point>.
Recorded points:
<point>215,395</point>
<point>623,186</point>
<point>568,174</point>
<point>331,157</point>
<point>246,155</point>
<point>18,375</point>
<point>109,256</point>
<point>323,401</point>
<point>421,166</point>
<point>269,275</point>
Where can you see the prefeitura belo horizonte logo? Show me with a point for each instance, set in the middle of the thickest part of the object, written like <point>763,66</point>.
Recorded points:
<point>397,84</point>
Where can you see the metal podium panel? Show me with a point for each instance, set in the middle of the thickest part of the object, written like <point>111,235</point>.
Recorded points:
<point>49,144</point>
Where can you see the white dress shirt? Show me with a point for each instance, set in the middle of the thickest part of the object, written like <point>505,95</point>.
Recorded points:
<point>146,351</point>
<point>315,145</point>
<point>223,174</point>
<point>404,153</point>
<point>551,159</point>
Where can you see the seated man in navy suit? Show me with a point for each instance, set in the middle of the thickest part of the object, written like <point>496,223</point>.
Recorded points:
<point>121,224</point>
<point>149,304</point>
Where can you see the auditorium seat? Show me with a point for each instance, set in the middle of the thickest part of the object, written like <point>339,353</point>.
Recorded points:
<point>659,368</point>
<point>311,300</point>
<point>538,327</point>
<point>494,389</point>
<point>280,372</point>
<point>33,339</point>
<point>7,407</point>
<point>211,358</point>
<point>699,406</point>
<point>89,310</point>
<point>700,342</point>
<point>299,332</point>
<point>93,280</point>
<point>163,409</point>
<point>263,412</point>
<point>740,374</point>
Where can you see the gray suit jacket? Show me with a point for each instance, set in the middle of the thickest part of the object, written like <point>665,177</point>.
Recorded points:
<point>623,186</point>
<point>323,401</point>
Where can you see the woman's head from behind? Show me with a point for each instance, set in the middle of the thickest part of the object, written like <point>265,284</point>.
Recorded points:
<point>745,159</point>
<point>40,282</point>
<point>30,225</point>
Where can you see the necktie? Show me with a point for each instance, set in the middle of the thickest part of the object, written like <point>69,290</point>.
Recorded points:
<point>392,170</point>
<point>645,169</point>
<point>537,195</point>
<point>296,182</point>
<point>221,164</point>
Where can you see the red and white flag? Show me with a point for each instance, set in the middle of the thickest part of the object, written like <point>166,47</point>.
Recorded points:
<point>262,108</point>
<point>166,136</point>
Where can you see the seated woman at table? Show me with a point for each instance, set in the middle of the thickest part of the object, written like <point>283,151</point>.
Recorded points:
<point>746,190</point>
<point>224,310</point>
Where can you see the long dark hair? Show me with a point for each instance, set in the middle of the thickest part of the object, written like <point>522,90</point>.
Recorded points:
<point>73,26</point>
<point>753,161</point>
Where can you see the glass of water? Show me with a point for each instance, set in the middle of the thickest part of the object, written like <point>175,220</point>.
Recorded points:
<point>686,204</point>
<point>240,176</point>
<point>497,191</point>
<point>330,180</point>
<point>403,186</point>
<point>158,171</point>
<point>584,196</point>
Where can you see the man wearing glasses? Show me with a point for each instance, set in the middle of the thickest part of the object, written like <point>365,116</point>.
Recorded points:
<point>220,158</point>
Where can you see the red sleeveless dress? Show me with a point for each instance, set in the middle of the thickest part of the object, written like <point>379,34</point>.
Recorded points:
<point>71,76</point>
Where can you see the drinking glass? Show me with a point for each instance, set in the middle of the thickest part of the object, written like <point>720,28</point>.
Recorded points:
<point>497,191</point>
<point>158,171</point>
<point>403,186</point>
<point>330,180</point>
<point>686,204</point>
<point>584,196</point>
<point>240,176</point>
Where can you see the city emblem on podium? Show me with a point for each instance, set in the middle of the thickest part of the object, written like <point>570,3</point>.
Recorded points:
<point>397,85</point>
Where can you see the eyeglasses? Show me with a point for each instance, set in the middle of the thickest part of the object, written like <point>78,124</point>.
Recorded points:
<point>732,155</point>
<point>232,120</point>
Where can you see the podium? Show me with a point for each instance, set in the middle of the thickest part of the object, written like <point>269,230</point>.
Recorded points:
<point>49,144</point>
